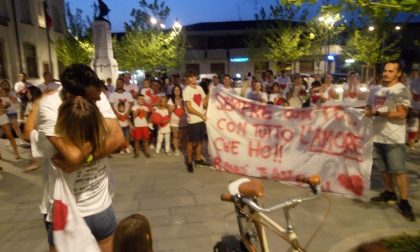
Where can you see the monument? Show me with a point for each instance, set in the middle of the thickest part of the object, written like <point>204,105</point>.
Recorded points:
<point>104,63</point>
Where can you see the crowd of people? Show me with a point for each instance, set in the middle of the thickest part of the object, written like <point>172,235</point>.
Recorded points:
<point>130,118</point>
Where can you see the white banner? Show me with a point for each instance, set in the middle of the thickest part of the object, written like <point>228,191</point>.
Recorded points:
<point>267,141</point>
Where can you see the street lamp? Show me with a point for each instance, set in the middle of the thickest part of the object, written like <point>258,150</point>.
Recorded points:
<point>153,20</point>
<point>328,21</point>
<point>177,27</point>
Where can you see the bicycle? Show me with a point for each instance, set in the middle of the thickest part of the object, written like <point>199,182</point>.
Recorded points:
<point>252,221</point>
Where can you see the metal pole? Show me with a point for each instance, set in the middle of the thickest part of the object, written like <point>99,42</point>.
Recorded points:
<point>17,36</point>
<point>48,38</point>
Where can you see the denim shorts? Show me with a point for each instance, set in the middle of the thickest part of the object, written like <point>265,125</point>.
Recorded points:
<point>389,158</point>
<point>102,225</point>
<point>12,116</point>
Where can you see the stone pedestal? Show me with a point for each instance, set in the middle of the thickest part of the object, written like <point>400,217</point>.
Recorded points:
<point>104,63</point>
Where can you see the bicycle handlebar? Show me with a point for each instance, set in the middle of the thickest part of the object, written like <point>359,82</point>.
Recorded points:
<point>313,182</point>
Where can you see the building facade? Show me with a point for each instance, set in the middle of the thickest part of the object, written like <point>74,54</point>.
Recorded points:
<point>27,35</point>
<point>220,47</point>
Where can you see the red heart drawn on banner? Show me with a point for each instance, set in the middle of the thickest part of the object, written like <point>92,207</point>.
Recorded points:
<point>60,212</point>
<point>197,99</point>
<point>352,183</point>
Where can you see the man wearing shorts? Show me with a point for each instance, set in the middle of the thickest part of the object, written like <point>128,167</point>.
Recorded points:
<point>195,99</point>
<point>389,107</point>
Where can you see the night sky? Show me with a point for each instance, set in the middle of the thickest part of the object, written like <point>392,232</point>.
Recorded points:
<point>187,11</point>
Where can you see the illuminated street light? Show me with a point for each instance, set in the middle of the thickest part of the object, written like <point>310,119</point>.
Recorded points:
<point>397,27</point>
<point>328,21</point>
<point>371,28</point>
<point>177,27</point>
<point>163,26</point>
<point>153,20</point>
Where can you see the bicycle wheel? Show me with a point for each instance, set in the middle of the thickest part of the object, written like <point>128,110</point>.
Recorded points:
<point>250,232</point>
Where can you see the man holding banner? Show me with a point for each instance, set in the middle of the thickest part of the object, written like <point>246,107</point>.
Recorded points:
<point>389,108</point>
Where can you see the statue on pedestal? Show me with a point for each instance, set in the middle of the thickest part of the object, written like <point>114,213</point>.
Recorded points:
<point>103,11</point>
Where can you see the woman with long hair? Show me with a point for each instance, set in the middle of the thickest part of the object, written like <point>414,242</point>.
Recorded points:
<point>178,118</point>
<point>133,234</point>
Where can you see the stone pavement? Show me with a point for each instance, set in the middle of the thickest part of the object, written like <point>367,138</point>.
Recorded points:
<point>185,211</point>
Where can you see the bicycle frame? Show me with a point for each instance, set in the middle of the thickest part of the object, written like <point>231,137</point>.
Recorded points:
<point>254,215</point>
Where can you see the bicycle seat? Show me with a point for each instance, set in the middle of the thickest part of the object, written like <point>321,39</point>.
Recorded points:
<point>247,188</point>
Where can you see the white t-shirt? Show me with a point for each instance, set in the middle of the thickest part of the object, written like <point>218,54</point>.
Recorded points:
<point>164,113</point>
<point>115,98</point>
<point>227,90</point>
<point>49,86</point>
<point>177,121</point>
<point>148,93</point>
<point>140,120</point>
<point>283,80</point>
<point>274,97</point>
<point>196,96</point>
<point>123,119</point>
<point>20,86</point>
<point>90,184</point>
<point>414,86</point>
<point>389,131</point>
<point>259,97</point>
<point>131,89</point>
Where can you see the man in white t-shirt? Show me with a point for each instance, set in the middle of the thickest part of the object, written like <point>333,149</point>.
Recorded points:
<point>20,88</point>
<point>130,87</point>
<point>284,81</point>
<point>89,179</point>
<point>227,84</point>
<point>195,99</point>
<point>389,107</point>
<point>49,83</point>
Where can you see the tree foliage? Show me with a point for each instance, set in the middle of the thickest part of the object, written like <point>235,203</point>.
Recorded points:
<point>280,40</point>
<point>76,46</point>
<point>141,16</point>
<point>150,50</point>
<point>364,47</point>
<point>148,47</point>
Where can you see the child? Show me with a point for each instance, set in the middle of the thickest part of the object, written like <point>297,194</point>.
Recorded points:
<point>178,117</point>
<point>164,130</point>
<point>141,130</point>
<point>316,94</point>
<point>11,110</point>
<point>277,97</point>
<point>4,120</point>
<point>147,91</point>
<point>124,121</point>
<point>133,234</point>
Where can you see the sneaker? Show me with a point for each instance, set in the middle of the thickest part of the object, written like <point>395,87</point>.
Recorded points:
<point>385,197</point>
<point>122,152</point>
<point>406,211</point>
<point>202,163</point>
<point>177,153</point>
<point>127,150</point>
<point>190,167</point>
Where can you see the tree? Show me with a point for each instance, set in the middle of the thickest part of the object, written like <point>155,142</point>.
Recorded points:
<point>146,46</point>
<point>395,5</point>
<point>76,46</point>
<point>368,47</point>
<point>149,50</point>
<point>279,39</point>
